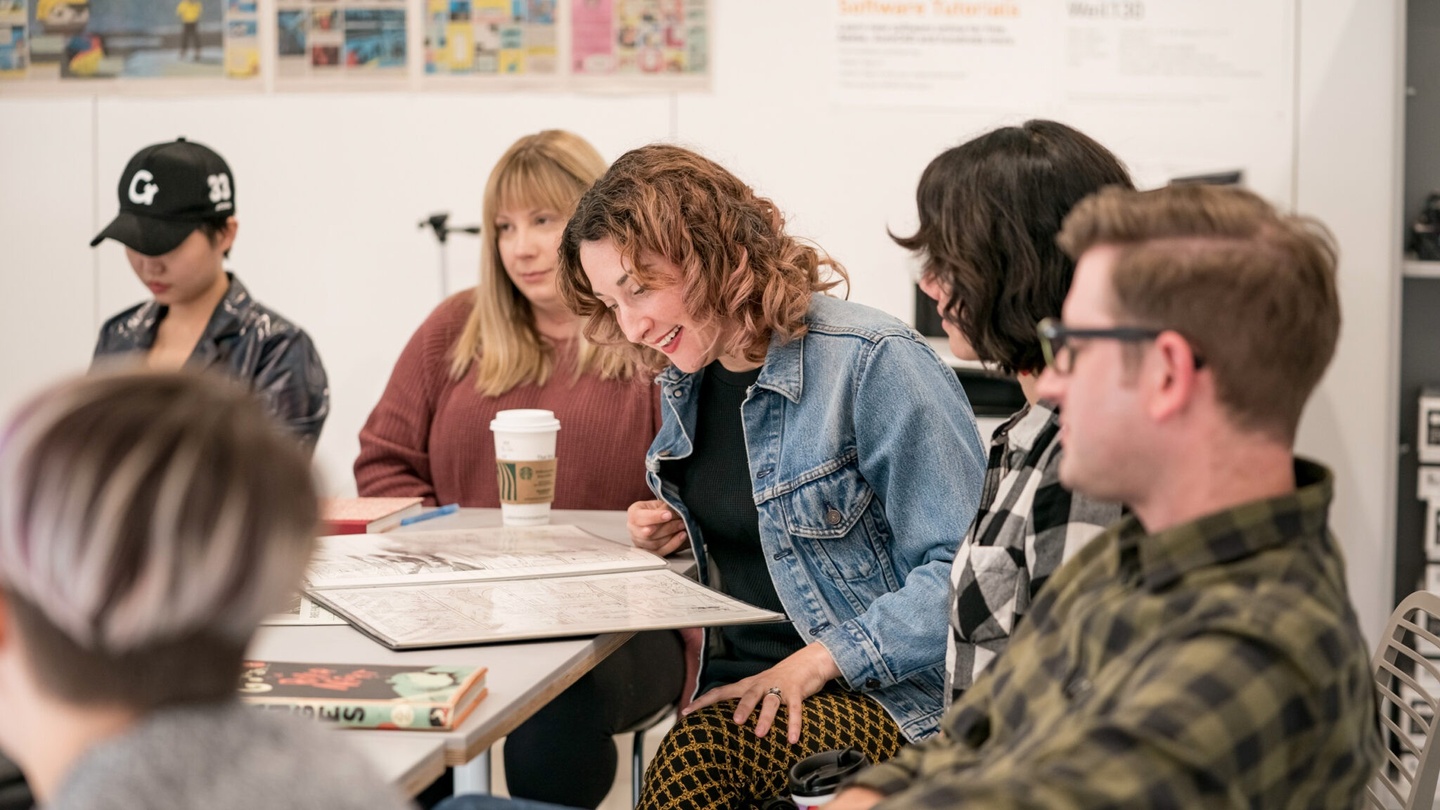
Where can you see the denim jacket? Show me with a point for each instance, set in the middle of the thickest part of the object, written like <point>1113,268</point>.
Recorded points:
<point>866,468</point>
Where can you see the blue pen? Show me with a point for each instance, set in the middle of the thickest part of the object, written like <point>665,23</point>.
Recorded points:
<point>433,513</point>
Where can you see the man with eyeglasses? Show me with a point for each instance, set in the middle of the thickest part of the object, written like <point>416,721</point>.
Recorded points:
<point>1202,652</point>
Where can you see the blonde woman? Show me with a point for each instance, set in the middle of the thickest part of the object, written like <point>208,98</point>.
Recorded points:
<point>511,343</point>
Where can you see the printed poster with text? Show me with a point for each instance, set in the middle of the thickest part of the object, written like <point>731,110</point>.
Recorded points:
<point>972,55</point>
<point>347,40</point>
<point>490,38</point>
<point>1221,57</point>
<point>637,39</point>
<point>81,43</point>
<point>1053,57</point>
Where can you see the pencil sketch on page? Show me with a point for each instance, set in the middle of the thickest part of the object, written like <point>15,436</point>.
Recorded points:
<point>302,610</point>
<point>468,555</point>
<point>513,610</point>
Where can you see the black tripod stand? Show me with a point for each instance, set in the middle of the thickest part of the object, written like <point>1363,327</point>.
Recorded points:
<point>438,224</point>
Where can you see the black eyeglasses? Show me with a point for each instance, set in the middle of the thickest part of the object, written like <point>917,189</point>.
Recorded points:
<point>1056,341</point>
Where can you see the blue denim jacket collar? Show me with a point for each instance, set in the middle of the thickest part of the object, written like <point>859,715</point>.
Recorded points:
<point>783,371</point>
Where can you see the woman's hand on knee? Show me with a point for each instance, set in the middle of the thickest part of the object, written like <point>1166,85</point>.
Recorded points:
<point>786,684</point>
<point>654,527</point>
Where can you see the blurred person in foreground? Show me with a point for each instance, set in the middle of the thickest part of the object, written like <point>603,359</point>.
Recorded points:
<point>148,521</point>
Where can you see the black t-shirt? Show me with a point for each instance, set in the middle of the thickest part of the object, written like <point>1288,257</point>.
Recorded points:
<point>715,485</point>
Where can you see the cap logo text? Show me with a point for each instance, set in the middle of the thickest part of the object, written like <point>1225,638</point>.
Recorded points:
<point>219,189</point>
<point>146,195</point>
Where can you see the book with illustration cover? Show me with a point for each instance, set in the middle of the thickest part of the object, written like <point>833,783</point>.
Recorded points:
<point>432,698</point>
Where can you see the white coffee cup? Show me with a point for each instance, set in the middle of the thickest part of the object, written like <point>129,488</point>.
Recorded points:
<point>525,464</point>
<point>815,779</point>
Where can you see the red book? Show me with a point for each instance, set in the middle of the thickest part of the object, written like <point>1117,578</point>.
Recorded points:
<point>362,515</point>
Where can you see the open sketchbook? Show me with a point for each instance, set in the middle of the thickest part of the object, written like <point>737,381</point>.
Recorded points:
<point>302,610</point>
<point>468,555</point>
<point>438,589</point>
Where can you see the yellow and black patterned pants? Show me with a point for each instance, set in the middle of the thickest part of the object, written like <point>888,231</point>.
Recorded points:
<point>707,761</point>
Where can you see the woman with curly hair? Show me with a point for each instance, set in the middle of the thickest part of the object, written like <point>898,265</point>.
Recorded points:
<point>815,454</point>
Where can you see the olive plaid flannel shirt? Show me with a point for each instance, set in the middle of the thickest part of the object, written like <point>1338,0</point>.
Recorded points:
<point>1214,664</point>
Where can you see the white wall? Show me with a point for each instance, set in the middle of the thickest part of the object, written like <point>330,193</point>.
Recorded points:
<point>1348,174</point>
<point>330,188</point>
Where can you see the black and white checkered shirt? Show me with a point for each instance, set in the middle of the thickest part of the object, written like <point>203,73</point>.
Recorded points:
<point>1027,525</point>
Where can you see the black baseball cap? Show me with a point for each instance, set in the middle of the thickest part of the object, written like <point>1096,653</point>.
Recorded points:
<point>166,191</point>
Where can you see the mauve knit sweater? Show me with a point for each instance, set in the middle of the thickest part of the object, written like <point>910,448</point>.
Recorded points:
<point>430,434</point>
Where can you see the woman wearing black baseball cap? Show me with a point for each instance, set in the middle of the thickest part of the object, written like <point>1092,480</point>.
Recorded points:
<point>177,223</point>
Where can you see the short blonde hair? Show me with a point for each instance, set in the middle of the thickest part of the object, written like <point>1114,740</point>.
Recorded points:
<point>736,262</point>
<point>147,520</point>
<point>1251,289</point>
<point>548,169</point>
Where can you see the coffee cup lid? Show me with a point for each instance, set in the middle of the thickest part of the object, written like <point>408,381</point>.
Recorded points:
<point>822,773</point>
<point>525,420</point>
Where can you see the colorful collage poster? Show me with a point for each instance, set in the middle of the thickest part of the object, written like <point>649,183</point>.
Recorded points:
<point>325,44</point>
<point>341,38</point>
<point>242,43</point>
<point>14,53</point>
<point>88,40</point>
<point>490,38</point>
<point>639,37</point>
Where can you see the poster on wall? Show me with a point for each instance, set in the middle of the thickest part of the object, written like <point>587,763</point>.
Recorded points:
<point>81,44</point>
<point>975,56</point>
<point>494,38</point>
<point>319,41</point>
<point>14,52</point>
<point>1217,56</point>
<point>640,41</point>
<point>1185,88</point>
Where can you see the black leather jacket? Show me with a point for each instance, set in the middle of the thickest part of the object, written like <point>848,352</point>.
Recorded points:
<point>248,341</point>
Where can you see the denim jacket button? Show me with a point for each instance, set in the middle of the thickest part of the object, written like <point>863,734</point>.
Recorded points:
<point>833,516</point>
<point>677,393</point>
<point>872,683</point>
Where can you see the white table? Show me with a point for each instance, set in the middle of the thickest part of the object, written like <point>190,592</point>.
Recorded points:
<point>410,761</point>
<point>523,676</point>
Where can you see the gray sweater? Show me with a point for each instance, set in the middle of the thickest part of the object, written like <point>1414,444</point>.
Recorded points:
<point>224,757</point>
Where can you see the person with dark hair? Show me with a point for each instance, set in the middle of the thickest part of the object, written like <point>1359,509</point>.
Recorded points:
<point>1202,652</point>
<point>148,522</point>
<point>177,223</point>
<point>815,454</point>
<point>989,212</point>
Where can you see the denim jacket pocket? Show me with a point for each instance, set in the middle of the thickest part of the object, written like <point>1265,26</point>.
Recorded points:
<point>831,513</point>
